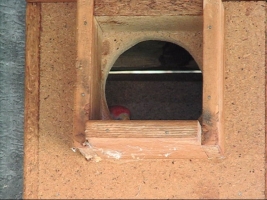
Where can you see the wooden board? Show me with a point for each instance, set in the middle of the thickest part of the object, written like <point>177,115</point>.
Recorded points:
<point>87,93</point>
<point>144,139</point>
<point>213,73</point>
<point>145,148</point>
<point>189,129</point>
<point>32,82</point>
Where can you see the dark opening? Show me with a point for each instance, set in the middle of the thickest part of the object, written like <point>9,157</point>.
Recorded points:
<point>156,80</point>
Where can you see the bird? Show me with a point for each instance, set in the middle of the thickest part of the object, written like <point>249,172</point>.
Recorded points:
<point>119,112</point>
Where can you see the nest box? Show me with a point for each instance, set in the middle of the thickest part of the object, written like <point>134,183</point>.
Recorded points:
<point>106,29</point>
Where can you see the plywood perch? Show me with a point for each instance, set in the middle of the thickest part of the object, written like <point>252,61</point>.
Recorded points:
<point>139,139</point>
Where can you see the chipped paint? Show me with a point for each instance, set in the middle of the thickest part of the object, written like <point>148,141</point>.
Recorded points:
<point>113,154</point>
<point>167,154</point>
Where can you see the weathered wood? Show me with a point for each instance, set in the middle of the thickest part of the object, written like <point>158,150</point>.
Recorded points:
<point>144,139</point>
<point>87,93</point>
<point>213,151</point>
<point>144,129</point>
<point>31,113</point>
<point>213,63</point>
<point>145,148</point>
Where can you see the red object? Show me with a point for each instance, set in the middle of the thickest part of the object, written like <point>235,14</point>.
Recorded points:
<point>119,112</point>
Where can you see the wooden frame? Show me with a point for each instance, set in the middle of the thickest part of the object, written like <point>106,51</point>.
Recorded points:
<point>90,136</point>
<point>32,80</point>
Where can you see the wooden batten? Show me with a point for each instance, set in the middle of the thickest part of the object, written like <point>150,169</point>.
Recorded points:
<point>213,63</point>
<point>144,139</point>
<point>139,139</point>
<point>144,148</point>
<point>31,111</point>
<point>189,130</point>
<point>87,93</point>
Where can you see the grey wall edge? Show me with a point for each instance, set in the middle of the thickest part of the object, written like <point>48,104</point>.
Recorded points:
<point>12,56</point>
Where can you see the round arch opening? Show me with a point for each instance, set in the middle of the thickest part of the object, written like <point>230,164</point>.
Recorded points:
<point>156,80</point>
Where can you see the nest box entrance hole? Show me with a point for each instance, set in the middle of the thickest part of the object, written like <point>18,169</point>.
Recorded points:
<point>102,38</point>
<point>156,80</point>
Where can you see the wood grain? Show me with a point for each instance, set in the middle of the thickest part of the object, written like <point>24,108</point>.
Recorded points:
<point>213,63</point>
<point>145,148</point>
<point>146,139</point>
<point>143,129</point>
<point>87,93</point>
<point>31,115</point>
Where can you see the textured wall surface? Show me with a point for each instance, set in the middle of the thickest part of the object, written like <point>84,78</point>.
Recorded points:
<point>12,42</point>
<point>241,174</point>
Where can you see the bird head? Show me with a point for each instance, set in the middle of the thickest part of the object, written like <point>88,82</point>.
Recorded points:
<point>119,112</point>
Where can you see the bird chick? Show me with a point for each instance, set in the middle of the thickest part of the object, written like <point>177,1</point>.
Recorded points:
<point>119,112</point>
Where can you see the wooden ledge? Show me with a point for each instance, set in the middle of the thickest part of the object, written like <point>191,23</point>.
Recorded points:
<point>143,129</point>
<point>145,139</point>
